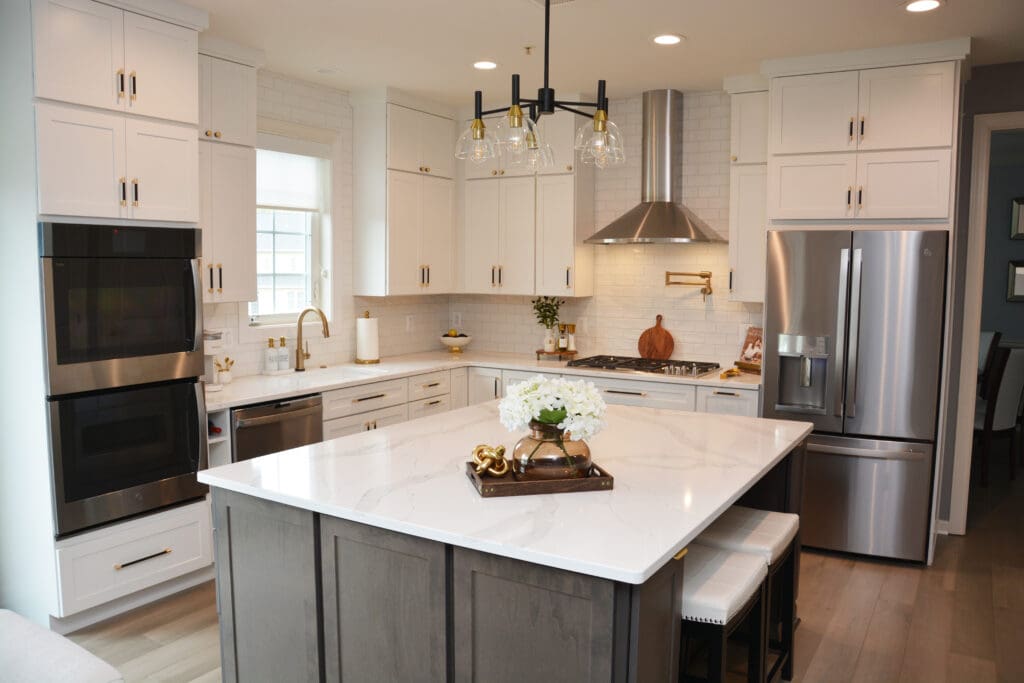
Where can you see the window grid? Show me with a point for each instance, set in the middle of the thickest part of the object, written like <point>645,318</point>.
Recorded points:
<point>284,272</point>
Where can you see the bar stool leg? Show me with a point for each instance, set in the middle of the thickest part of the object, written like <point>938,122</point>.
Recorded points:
<point>717,657</point>
<point>788,614</point>
<point>758,646</point>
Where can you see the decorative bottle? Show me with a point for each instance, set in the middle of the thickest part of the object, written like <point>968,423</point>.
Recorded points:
<point>563,340</point>
<point>284,361</point>
<point>270,356</point>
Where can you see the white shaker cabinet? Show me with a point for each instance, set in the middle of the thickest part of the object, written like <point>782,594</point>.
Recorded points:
<point>727,401</point>
<point>419,142</point>
<point>419,241</point>
<point>499,236</point>
<point>812,186</point>
<point>564,264</point>
<point>559,131</point>
<point>227,101</point>
<point>905,107</point>
<point>106,166</point>
<point>814,113</point>
<point>227,177</point>
<point>161,62</point>
<point>906,183</point>
<point>748,197</point>
<point>748,139</point>
<point>484,385</point>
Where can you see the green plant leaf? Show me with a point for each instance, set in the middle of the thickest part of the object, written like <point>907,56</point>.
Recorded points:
<point>551,417</point>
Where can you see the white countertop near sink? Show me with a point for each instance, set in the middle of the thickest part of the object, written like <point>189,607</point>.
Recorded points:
<point>258,388</point>
<point>675,472</point>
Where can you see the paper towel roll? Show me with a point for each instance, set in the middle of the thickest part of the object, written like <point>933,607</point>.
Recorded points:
<point>367,340</point>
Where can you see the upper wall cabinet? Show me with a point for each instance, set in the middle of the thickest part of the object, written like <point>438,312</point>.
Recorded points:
<point>227,217</point>
<point>92,54</point>
<point>564,264</point>
<point>419,239</point>
<point>900,107</point>
<point>748,139</point>
<point>227,101</point>
<point>558,130</point>
<point>419,142</point>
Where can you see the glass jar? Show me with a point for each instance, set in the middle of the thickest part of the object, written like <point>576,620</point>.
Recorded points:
<point>546,454</point>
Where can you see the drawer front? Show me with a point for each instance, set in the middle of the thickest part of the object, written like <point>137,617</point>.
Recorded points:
<point>364,422</point>
<point>727,401</point>
<point>648,394</point>
<point>364,398</point>
<point>99,566</point>
<point>429,406</point>
<point>428,385</point>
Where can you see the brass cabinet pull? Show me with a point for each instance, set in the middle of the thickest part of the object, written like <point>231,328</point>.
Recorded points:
<point>500,268</point>
<point>726,393</point>
<point>493,280</point>
<point>368,398</point>
<point>210,290</point>
<point>434,403</point>
<point>209,133</point>
<point>120,84</point>
<point>860,197</point>
<point>135,86</point>
<point>220,278</point>
<point>431,385</point>
<point>135,191</point>
<point>625,393</point>
<point>494,173</point>
<point>124,191</point>
<point>681,554</point>
<point>428,275</point>
<point>862,128</point>
<point>122,565</point>
<point>849,195</point>
<point>216,133</point>
<point>850,129</point>
<point>567,277</point>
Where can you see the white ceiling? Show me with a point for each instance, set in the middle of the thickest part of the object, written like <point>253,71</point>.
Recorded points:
<point>427,47</point>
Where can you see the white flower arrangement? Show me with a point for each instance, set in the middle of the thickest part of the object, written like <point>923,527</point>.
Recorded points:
<point>576,407</point>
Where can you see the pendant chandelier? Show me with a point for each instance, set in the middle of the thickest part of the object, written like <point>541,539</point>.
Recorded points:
<point>517,138</point>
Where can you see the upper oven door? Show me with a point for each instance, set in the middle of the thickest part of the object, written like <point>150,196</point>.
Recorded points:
<point>118,319</point>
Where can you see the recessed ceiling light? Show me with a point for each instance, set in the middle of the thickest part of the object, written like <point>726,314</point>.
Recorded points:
<point>668,39</point>
<point>485,65</point>
<point>922,5</point>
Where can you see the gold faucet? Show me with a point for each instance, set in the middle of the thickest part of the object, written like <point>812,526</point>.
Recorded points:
<point>302,354</point>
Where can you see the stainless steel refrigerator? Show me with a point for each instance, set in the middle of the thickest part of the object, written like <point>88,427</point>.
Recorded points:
<point>853,343</point>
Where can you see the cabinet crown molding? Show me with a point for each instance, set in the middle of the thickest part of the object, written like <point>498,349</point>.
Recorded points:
<point>735,85</point>
<point>211,46</point>
<point>956,49</point>
<point>166,10</point>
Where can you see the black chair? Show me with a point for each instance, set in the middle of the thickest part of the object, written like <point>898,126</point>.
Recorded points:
<point>1000,412</point>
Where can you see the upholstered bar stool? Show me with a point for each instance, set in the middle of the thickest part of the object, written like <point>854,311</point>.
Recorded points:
<point>772,537</point>
<point>722,591</point>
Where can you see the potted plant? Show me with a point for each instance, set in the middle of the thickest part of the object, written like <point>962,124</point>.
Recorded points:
<point>546,309</point>
<point>560,414</point>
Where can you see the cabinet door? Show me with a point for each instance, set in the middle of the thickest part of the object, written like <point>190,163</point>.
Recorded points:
<point>403,139</point>
<point>79,52</point>
<point>232,98</point>
<point>516,223</point>
<point>748,200</point>
<point>208,261</point>
<point>813,113</point>
<point>437,148</point>
<point>364,422</point>
<point>905,184</point>
<point>205,104</point>
<point>404,268</point>
<point>749,137</point>
<point>437,197</point>
<point>559,131</point>
<point>162,166</point>
<point>480,236</point>
<point>907,106</point>
<point>459,388</point>
<point>727,401</point>
<point>81,161</point>
<point>812,186</point>
<point>233,220</point>
<point>163,67</point>
<point>484,385</point>
<point>556,235</point>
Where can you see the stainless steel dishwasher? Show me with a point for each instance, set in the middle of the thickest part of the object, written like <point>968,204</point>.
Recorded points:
<point>276,426</point>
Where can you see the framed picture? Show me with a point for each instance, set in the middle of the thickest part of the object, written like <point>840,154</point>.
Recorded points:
<point>1017,221</point>
<point>1015,281</point>
<point>750,354</point>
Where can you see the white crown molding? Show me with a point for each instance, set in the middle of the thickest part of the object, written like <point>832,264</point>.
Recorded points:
<point>957,49</point>
<point>213,46</point>
<point>746,83</point>
<point>166,10</point>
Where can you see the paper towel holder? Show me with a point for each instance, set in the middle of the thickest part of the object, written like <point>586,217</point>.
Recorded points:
<point>362,361</point>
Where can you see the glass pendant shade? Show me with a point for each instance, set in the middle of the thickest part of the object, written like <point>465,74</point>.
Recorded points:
<point>513,132</point>
<point>537,156</point>
<point>477,144</point>
<point>601,148</point>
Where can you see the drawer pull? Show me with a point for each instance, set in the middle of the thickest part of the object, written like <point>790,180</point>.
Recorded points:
<point>368,398</point>
<point>431,385</point>
<point>625,393</point>
<point>681,554</point>
<point>165,551</point>
<point>434,403</point>
<point>726,393</point>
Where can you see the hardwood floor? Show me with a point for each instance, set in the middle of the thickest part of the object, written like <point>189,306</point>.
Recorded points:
<point>958,621</point>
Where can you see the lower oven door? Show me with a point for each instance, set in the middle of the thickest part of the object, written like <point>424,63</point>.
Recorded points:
<point>120,452</point>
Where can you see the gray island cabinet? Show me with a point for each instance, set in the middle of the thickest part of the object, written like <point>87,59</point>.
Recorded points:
<point>371,558</point>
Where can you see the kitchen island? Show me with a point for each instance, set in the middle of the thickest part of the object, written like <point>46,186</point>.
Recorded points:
<point>372,557</point>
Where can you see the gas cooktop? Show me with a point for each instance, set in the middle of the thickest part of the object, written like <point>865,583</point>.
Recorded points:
<point>683,368</point>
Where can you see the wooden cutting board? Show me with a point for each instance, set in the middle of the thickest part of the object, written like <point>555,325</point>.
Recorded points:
<point>656,342</point>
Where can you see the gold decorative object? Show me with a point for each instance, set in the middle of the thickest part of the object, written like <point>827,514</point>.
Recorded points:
<point>704,284</point>
<point>491,459</point>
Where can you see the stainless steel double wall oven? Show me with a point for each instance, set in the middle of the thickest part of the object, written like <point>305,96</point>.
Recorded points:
<point>123,333</point>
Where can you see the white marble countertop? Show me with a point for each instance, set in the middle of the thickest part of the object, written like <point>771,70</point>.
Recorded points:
<point>675,472</point>
<point>257,388</point>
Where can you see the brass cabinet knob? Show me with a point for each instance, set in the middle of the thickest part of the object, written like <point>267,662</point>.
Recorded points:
<point>209,133</point>
<point>427,169</point>
<point>502,172</point>
<point>494,173</point>
<point>216,134</point>
<point>421,169</point>
<point>568,167</point>
<point>734,158</point>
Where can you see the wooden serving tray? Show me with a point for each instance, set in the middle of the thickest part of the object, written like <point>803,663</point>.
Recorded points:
<point>496,487</point>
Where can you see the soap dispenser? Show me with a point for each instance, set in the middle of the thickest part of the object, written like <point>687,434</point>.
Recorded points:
<point>284,361</point>
<point>270,356</point>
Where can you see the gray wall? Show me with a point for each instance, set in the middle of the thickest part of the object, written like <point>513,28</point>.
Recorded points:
<point>991,89</point>
<point>1005,182</point>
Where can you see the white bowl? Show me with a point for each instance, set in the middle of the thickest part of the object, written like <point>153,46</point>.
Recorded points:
<point>455,344</point>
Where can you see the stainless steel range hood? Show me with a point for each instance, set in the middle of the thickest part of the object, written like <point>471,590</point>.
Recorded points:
<point>659,218</point>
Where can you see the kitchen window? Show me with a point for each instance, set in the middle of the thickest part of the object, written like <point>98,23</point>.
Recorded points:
<point>292,217</point>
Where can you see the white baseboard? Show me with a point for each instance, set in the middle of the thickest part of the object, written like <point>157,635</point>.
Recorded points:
<point>114,608</point>
<point>942,526</point>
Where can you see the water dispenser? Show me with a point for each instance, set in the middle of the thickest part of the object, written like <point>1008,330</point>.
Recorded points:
<point>803,373</point>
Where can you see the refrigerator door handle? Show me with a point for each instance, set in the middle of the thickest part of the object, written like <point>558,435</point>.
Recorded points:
<point>851,371</point>
<point>839,361</point>
<point>888,454</point>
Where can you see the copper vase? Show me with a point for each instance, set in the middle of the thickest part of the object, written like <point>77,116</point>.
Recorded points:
<point>546,453</point>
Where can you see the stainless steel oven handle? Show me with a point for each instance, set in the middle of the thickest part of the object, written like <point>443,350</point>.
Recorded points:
<point>851,365</point>
<point>204,431</point>
<point>277,417</point>
<point>839,359</point>
<point>887,454</point>
<point>197,293</point>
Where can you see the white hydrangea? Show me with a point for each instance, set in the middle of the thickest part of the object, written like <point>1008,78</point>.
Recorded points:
<point>580,400</point>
